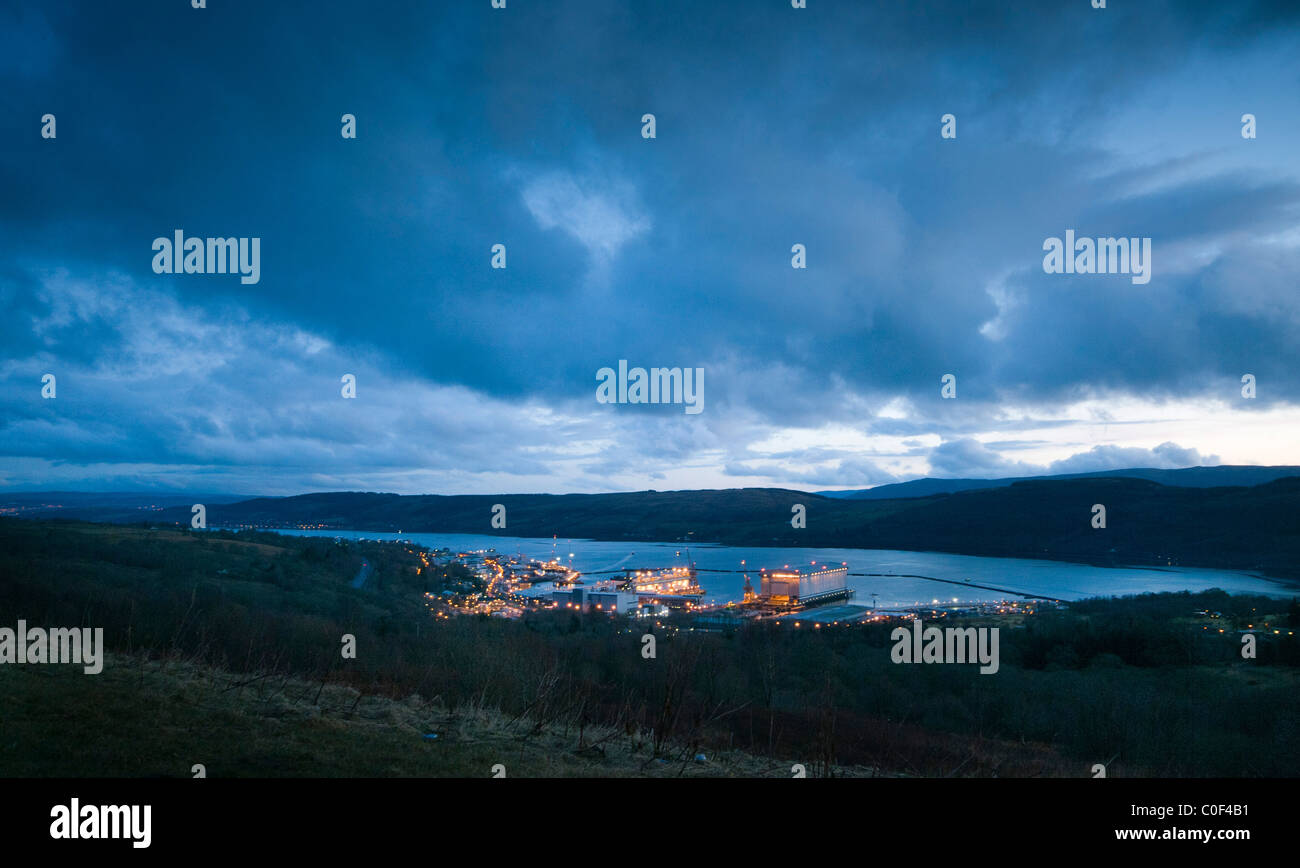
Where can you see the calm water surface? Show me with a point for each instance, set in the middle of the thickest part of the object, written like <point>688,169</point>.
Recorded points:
<point>1044,578</point>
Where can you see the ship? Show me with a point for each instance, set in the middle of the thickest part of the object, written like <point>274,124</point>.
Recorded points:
<point>675,587</point>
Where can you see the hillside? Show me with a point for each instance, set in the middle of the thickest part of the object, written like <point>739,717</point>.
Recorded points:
<point>1254,528</point>
<point>140,720</point>
<point>224,649</point>
<point>1194,477</point>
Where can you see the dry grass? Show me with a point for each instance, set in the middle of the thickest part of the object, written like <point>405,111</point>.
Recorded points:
<point>149,718</point>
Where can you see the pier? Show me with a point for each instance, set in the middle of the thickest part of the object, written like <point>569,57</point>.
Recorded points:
<point>964,584</point>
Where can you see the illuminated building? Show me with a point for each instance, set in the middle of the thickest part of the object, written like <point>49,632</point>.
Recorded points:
<point>802,586</point>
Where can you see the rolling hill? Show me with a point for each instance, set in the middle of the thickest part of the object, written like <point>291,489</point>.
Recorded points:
<point>1194,477</point>
<point>1253,528</point>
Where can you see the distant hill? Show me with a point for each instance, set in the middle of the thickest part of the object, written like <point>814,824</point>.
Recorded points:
<point>1193,477</point>
<point>654,515</point>
<point>1240,527</point>
<point>116,506</point>
<point>1231,527</point>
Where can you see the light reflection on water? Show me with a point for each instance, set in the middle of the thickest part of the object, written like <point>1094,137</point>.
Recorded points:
<point>1057,579</point>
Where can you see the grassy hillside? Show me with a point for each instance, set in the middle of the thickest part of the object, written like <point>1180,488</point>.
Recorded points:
<point>157,718</point>
<point>226,651</point>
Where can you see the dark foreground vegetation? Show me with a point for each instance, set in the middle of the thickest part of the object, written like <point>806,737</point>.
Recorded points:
<point>226,650</point>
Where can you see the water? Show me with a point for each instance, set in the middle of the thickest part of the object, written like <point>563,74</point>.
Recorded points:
<point>1056,579</point>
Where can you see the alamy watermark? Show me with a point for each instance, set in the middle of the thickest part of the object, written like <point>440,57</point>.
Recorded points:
<point>655,386</point>
<point>76,820</point>
<point>1098,256</point>
<point>922,644</point>
<point>181,255</point>
<point>56,645</point>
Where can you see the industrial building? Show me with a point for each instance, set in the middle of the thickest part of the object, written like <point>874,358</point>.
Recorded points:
<point>804,586</point>
<point>586,599</point>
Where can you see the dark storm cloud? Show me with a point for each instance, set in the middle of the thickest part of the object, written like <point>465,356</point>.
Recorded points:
<point>476,126</point>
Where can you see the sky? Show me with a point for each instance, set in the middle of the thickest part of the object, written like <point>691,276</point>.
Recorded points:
<point>774,126</point>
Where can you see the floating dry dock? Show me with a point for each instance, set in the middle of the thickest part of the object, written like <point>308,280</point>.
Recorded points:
<point>797,587</point>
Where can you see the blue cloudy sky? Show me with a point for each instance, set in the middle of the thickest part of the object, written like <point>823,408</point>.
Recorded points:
<point>522,126</point>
